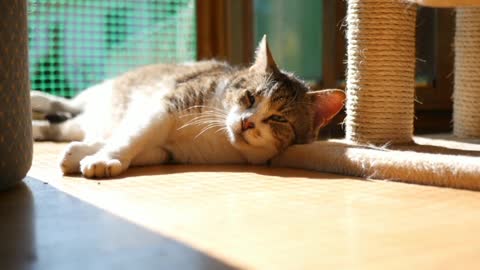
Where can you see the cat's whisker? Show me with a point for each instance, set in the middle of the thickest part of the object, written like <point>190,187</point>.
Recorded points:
<point>202,117</point>
<point>205,117</point>
<point>203,120</point>
<point>215,113</point>
<point>202,113</point>
<point>213,109</point>
<point>192,124</point>
<point>210,114</point>
<point>224,129</point>
<point>204,130</point>
<point>207,122</point>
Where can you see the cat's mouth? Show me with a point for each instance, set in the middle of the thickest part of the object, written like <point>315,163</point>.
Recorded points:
<point>241,139</point>
<point>244,139</point>
<point>235,133</point>
<point>238,137</point>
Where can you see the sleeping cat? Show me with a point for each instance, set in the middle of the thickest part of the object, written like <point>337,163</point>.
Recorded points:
<point>204,113</point>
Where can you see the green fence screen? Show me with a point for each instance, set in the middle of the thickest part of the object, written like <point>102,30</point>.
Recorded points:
<point>77,43</point>
<point>295,35</point>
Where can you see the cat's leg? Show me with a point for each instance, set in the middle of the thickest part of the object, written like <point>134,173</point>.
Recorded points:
<point>75,152</point>
<point>49,104</point>
<point>67,131</point>
<point>138,132</point>
<point>151,156</point>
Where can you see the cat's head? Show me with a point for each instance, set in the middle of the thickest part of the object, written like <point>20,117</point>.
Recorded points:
<point>270,109</point>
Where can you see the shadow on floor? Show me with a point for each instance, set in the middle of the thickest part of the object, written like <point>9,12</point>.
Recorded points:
<point>44,228</point>
<point>168,169</point>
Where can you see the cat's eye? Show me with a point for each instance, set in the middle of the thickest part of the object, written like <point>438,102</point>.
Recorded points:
<point>250,99</point>
<point>278,118</point>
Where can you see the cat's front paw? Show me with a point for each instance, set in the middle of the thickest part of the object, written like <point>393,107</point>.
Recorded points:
<point>70,159</point>
<point>74,153</point>
<point>101,166</point>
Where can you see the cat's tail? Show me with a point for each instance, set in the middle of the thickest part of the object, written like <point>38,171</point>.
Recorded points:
<point>55,118</point>
<point>56,109</point>
<point>53,108</point>
<point>444,170</point>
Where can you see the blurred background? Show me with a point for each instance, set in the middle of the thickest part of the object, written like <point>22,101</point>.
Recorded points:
<point>77,43</point>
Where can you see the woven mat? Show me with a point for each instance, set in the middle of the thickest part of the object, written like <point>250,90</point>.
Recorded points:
<point>263,218</point>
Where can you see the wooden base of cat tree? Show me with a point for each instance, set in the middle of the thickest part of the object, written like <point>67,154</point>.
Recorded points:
<point>441,160</point>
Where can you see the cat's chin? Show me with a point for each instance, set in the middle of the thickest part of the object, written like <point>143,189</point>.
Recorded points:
<point>239,142</point>
<point>254,154</point>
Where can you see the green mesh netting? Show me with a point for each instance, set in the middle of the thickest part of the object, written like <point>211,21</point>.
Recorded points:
<point>77,43</point>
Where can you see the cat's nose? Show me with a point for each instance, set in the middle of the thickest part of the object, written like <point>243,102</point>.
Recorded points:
<point>247,124</point>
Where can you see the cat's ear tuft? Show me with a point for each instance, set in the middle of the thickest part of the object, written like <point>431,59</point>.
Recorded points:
<point>264,61</point>
<point>327,103</point>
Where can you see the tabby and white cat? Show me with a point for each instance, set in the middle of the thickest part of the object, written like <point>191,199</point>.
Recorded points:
<point>204,113</point>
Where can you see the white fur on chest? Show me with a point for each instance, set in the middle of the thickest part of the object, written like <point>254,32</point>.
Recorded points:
<point>210,147</point>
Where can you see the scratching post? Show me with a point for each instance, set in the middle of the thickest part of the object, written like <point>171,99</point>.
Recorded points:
<point>380,71</point>
<point>15,114</point>
<point>466,98</point>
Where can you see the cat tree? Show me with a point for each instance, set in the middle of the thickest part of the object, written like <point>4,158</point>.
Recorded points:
<point>381,66</point>
<point>380,88</point>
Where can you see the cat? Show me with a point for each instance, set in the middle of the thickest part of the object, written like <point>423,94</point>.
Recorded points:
<point>206,112</point>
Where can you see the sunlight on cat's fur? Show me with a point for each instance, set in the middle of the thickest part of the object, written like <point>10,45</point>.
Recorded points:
<point>205,113</point>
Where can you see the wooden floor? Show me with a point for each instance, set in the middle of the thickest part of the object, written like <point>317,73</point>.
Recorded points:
<point>242,217</point>
<point>44,228</point>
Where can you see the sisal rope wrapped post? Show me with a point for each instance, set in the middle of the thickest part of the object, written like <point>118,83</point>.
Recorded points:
<point>466,97</point>
<point>380,71</point>
<point>16,144</point>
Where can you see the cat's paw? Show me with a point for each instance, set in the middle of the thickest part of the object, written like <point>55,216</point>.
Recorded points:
<point>101,166</point>
<point>72,155</point>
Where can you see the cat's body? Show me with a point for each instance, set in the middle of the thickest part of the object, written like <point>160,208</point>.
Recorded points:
<point>205,113</point>
<point>136,97</point>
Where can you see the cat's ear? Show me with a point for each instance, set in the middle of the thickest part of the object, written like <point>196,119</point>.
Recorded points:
<point>264,61</point>
<point>326,104</point>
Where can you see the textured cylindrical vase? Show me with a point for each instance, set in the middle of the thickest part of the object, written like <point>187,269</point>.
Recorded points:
<point>380,71</point>
<point>466,97</point>
<point>15,114</point>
